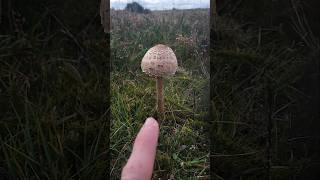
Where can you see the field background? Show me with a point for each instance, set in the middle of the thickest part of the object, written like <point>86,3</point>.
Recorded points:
<point>264,79</point>
<point>183,150</point>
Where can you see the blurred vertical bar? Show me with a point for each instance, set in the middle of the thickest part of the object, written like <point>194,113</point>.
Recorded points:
<point>105,22</point>
<point>0,11</point>
<point>105,15</point>
<point>282,128</point>
<point>213,14</point>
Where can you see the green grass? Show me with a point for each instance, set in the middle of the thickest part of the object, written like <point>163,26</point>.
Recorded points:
<point>255,99</point>
<point>183,150</point>
<point>54,96</point>
<point>53,101</point>
<point>182,138</point>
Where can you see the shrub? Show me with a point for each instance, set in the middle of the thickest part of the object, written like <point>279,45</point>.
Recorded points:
<point>136,7</point>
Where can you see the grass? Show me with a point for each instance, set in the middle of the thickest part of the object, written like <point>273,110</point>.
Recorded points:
<point>55,81</point>
<point>183,144</point>
<point>255,93</point>
<point>53,86</point>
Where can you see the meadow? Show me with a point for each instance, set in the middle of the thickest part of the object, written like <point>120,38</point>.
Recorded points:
<point>183,150</point>
<point>246,112</point>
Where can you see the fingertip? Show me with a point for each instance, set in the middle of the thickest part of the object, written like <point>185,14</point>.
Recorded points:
<point>152,122</point>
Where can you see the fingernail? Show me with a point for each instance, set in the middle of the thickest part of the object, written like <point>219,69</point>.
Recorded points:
<point>151,122</point>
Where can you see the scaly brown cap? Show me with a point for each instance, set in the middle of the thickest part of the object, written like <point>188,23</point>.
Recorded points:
<point>159,60</point>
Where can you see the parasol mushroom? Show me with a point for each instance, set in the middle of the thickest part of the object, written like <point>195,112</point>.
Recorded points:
<point>159,62</point>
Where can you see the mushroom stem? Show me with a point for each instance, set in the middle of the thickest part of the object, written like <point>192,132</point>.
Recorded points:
<point>160,99</point>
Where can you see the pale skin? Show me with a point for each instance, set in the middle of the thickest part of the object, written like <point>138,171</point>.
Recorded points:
<point>141,161</point>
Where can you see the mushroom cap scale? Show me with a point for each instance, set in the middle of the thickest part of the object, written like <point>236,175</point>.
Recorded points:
<point>159,61</point>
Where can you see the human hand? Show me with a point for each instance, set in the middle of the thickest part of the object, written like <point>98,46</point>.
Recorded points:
<point>140,163</point>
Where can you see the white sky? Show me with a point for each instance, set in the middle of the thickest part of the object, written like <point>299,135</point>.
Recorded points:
<point>163,4</point>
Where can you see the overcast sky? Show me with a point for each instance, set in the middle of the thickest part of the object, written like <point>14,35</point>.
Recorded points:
<point>163,4</point>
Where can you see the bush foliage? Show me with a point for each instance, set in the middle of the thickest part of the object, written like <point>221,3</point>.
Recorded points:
<point>136,7</point>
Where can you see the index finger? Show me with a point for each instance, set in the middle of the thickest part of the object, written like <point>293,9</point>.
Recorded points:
<point>140,163</point>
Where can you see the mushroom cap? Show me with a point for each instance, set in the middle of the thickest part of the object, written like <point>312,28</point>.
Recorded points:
<point>159,61</point>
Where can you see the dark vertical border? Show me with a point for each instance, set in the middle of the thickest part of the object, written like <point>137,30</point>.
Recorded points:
<point>213,12</point>
<point>57,111</point>
<point>105,22</point>
<point>303,133</point>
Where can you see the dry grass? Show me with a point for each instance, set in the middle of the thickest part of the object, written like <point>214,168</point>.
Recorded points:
<point>183,145</point>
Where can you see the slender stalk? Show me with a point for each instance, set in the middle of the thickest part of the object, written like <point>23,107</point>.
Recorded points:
<point>160,98</point>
